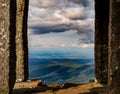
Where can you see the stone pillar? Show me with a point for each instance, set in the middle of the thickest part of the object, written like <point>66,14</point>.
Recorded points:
<point>7,45</point>
<point>21,40</point>
<point>101,40</point>
<point>114,47</point>
<point>25,39</point>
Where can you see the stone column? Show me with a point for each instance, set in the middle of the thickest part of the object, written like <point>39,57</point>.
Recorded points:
<point>7,45</point>
<point>21,40</point>
<point>101,40</point>
<point>25,38</point>
<point>114,47</point>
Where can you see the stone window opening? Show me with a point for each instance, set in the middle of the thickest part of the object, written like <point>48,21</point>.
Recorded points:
<point>50,20</point>
<point>14,46</point>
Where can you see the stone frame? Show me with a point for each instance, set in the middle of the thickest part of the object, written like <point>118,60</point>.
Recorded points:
<point>14,48</point>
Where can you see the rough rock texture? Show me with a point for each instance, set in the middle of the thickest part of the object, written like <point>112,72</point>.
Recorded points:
<point>101,40</point>
<point>13,43</point>
<point>25,39</point>
<point>114,48</point>
<point>21,41</point>
<point>7,45</point>
<point>28,84</point>
<point>68,88</point>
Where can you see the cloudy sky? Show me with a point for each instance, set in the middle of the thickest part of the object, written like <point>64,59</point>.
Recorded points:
<point>61,24</point>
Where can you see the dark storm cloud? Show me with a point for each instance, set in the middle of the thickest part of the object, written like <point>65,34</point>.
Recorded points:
<point>49,29</point>
<point>86,34</point>
<point>46,16</point>
<point>87,37</point>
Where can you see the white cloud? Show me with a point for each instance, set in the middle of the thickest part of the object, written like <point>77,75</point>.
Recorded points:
<point>62,45</point>
<point>73,12</point>
<point>73,45</point>
<point>73,16</point>
<point>86,45</point>
<point>73,31</point>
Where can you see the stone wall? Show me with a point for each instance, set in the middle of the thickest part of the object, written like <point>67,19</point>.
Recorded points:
<point>114,48</point>
<point>101,40</point>
<point>21,40</point>
<point>25,39</point>
<point>13,43</point>
<point>7,45</point>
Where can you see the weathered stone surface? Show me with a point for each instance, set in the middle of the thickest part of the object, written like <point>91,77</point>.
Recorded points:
<point>7,45</point>
<point>30,84</point>
<point>101,40</point>
<point>13,41</point>
<point>21,41</point>
<point>114,47</point>
<point>25,39</point>
<point>89,88</point>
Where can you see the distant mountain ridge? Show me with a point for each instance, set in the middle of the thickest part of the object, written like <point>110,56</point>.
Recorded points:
<point>61,70</point>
